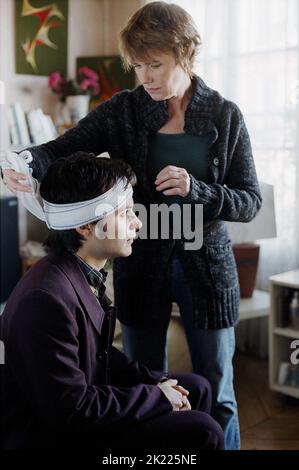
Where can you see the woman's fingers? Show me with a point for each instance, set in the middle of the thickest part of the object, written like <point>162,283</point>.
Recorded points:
<point>15,186</point>
<point>170,183</point>
<point>21,187</point>
<point>12,180</point>
<point>173,181</point>
<point>13,174</point>
<point>166,174</point>
<point>174,192</point>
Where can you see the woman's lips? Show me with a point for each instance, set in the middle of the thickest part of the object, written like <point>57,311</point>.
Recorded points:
<point>152,90</point>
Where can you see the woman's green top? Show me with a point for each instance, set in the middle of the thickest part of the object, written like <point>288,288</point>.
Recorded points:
<point>182,150</point>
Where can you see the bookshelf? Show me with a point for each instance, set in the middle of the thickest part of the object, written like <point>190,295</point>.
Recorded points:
<point>28,128</point>
<point>281,332</point>
<point>22,130</point>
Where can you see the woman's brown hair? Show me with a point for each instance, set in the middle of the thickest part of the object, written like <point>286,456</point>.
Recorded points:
<point>160,27</point>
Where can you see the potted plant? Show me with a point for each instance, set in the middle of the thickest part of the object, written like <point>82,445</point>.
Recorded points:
<point>76,93</point>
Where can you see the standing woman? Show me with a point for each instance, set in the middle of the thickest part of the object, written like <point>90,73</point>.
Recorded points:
<point>187,144</point>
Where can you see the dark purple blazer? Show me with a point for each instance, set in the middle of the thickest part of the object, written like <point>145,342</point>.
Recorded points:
<point>62,377</point>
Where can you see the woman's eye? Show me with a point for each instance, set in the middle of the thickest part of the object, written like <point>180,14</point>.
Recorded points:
<point>156,66</point>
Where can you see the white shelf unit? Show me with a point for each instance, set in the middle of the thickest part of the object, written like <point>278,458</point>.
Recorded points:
<point>256,306</point>
<point>281,333</point>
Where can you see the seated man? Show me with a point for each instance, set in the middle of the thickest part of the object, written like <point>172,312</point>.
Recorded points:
<point>64,385</point>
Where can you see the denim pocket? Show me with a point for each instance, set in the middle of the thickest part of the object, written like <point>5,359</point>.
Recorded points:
<point>222,265</point>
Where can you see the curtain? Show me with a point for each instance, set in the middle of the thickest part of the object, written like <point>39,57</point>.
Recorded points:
<point>250,54</point>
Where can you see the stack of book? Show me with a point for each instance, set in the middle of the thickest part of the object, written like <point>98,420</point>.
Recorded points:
<point>31,128</point>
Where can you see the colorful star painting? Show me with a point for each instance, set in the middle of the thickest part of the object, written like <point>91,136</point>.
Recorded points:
<point>41,36</point>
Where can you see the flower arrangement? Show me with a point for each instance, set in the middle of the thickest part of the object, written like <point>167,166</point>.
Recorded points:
<point>87,83</point>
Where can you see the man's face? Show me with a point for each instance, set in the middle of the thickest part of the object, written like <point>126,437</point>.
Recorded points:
<point>160,75</point>
<point>113,237</point>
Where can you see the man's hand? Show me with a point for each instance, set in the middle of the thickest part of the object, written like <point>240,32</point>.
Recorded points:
<point>173,180</point>
<point>176,394</point>
<point>185,393</point>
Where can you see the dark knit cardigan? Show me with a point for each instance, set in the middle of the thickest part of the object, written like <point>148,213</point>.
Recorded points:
<point>121,126</point>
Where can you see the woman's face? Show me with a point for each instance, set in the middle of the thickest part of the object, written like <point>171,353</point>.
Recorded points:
<point>161,76</point>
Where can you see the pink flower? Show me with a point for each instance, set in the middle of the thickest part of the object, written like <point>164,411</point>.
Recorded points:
<point>54,79</point>
<point>57,83</point>
<point>89,73</point>
<point>93,85</point>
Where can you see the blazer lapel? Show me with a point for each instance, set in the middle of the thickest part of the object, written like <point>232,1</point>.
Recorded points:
<point>79,282</point>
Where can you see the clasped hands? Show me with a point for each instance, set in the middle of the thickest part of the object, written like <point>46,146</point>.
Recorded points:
<point>176,394</point>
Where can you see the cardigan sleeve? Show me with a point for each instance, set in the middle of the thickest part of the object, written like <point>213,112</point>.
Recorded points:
<point>239,198</point>
<point>89,135</point>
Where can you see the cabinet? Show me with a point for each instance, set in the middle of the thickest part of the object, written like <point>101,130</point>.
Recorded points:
<point>282,334</point>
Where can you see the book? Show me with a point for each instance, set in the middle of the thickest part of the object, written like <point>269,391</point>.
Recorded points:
<point>21,125</point>
<point>41,126</point>
<point>36,127</point>
<point>13,131</point>
<point>46,122</point>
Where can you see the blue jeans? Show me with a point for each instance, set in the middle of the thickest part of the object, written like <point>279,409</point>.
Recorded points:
<point>211,354</point>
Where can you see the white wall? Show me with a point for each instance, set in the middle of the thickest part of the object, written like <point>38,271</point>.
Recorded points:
<point>116,14</point>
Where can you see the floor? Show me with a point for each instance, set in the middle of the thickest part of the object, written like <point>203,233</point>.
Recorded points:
<point>268,420</point>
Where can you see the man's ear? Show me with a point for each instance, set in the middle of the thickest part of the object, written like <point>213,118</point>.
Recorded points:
<point>84,230</point>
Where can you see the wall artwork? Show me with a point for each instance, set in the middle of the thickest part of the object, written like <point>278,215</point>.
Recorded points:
<point>41,36</point>
<point>111,76</point>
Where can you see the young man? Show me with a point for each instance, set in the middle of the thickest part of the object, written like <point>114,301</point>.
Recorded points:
<point>64,385</point>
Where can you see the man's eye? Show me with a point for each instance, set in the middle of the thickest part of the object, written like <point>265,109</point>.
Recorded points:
<point>136,66</point>
<point>156,66</point>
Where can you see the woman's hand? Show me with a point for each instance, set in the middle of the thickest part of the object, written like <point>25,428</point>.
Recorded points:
<point>173,180</point>
<point>13,180</point>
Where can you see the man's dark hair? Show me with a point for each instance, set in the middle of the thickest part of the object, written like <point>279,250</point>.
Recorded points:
<point>76,178</point>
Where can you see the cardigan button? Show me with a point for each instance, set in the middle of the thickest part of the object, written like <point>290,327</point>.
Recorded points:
<point>216,161</point>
